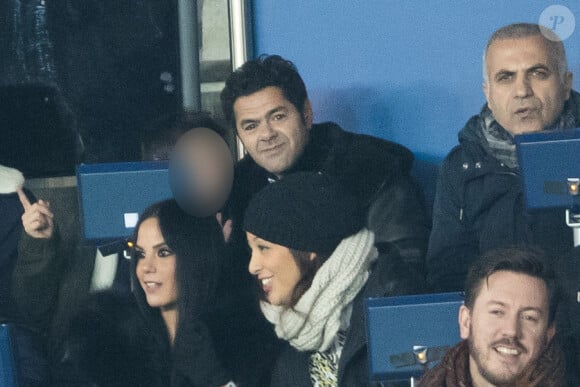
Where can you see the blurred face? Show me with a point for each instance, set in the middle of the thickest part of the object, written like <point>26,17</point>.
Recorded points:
<point>524,89</point>
<point>272,130</point>
<point>275,269</point>
<point>201,171</point>
<point>155,266</point>
<point>507,328</point>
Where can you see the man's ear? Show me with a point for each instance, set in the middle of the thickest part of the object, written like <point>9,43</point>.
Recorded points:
<point>312,256</point>
<point>307,114</point>
<point>485,88</point>
<point>568,85</point>
<point>464,320</point>
<point>551,332</point>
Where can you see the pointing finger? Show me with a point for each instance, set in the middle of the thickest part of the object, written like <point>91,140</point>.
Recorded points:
<point>23,199</point>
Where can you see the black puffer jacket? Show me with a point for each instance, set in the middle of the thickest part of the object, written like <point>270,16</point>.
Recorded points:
<point>479,205</point>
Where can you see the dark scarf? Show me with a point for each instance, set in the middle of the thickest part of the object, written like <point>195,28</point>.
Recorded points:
<point>453,370</point>
<point>500,143</point>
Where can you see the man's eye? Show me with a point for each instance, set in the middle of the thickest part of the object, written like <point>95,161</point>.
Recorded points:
<point>529,317</point>
<point>540,74</point>
<point>249,127</point>
<point>504,77</point>
<point>279,116</point>
<point>262,247</point>
<point>497,312</point>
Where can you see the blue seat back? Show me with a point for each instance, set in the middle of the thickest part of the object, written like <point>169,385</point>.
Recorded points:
<point>408,334</point>
<point>7,363</point>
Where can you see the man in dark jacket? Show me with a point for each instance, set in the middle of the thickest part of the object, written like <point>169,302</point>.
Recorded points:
<point>266,101</point>
<point>479,200</point>
<point>507,323</point>
<point>479,203</point>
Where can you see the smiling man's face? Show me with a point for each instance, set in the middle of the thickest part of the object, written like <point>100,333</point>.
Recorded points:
<point>273,131</point>
<point>507,329</point>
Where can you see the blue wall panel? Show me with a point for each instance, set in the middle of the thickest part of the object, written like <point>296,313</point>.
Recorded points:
<point>404,70</point>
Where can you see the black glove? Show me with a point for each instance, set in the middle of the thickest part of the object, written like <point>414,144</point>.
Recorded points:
<point>195,360</point>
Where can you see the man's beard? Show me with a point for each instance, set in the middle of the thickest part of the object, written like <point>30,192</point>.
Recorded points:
<point>492,376</point>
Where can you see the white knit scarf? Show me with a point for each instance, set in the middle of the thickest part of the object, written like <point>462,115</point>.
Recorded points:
<point>312,324</point>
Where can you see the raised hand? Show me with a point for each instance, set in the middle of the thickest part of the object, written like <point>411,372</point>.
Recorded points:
<point>37,219</point>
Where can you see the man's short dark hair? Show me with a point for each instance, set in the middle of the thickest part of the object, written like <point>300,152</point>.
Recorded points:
<point>160,137</point>
<point>522,260</point>
<point>258,74</point>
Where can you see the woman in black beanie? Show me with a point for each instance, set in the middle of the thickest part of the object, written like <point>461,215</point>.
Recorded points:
<point>315,263</point>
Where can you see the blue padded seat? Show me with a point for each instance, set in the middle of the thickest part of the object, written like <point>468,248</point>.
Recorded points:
<point>7,362</point>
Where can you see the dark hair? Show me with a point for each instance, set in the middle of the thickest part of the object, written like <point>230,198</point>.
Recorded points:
<point>199,247</point>
<point>524,260</point>
<point>160,137</point>
<point>258,74</point>
<point>308,269</point>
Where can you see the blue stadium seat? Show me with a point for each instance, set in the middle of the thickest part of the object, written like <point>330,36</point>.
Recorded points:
<point>408,334</point>
<point>7,363</point>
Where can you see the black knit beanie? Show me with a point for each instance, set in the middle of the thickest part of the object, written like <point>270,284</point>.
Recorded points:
<point>305,211</point>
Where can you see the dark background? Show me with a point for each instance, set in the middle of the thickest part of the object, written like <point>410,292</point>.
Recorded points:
<point>106,69</point>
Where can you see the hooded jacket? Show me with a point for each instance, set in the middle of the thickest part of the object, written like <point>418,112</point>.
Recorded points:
<point>479,205</point>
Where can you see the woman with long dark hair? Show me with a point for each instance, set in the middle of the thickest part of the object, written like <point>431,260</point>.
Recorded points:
<point>170,333</point>
<point>175,269</point>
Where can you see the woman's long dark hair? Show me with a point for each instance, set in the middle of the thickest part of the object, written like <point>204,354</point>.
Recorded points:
<point>199,248</point>
<point>308,269</point>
